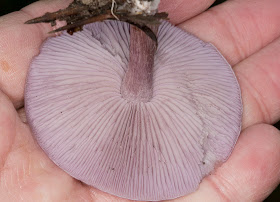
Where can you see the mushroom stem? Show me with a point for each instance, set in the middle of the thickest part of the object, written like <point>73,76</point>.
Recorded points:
<point>138,80</point>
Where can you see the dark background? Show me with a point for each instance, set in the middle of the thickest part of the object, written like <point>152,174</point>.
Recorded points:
<point>7,6</point>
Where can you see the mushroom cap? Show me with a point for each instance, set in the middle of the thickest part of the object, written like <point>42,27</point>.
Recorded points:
<point>156,150</point>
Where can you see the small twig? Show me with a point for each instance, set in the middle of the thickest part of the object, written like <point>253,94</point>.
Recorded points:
<point>77,14</point>
<point>49,17</point>
<point>83,22</point>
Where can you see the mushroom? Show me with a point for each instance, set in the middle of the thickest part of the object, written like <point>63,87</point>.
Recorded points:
<point>129,118</point>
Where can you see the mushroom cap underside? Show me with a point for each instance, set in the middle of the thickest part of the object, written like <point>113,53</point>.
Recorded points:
<point>156,150</point>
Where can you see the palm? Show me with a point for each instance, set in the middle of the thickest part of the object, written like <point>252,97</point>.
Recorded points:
<point>240,34</point>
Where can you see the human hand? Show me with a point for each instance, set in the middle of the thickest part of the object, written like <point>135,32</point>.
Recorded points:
<point>246,32</point>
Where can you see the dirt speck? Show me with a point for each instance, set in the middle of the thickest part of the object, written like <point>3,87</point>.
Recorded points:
<point>4,65</point>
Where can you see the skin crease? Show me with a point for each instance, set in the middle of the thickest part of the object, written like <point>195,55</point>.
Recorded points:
<point>246,32</point>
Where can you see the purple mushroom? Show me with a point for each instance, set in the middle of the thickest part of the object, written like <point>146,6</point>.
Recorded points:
<point>129,122</point>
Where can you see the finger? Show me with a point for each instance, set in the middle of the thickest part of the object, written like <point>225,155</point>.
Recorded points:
<point>7,130</point>
<point>251,173</point>
<point>26,174</point>
<point>14,135</point>
<point>19,43</point>
<point>238,28</point>
<point>258,77</point>
<point>181,10</point>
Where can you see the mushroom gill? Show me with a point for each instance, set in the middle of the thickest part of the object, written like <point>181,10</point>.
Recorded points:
<point>155,149</point>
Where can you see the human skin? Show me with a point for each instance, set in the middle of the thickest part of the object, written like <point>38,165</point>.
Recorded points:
<point>246,32</point>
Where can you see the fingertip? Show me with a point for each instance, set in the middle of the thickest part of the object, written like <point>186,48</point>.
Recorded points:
<point>253,170</point>
<point>251,173</point>
<point>181,10</point>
